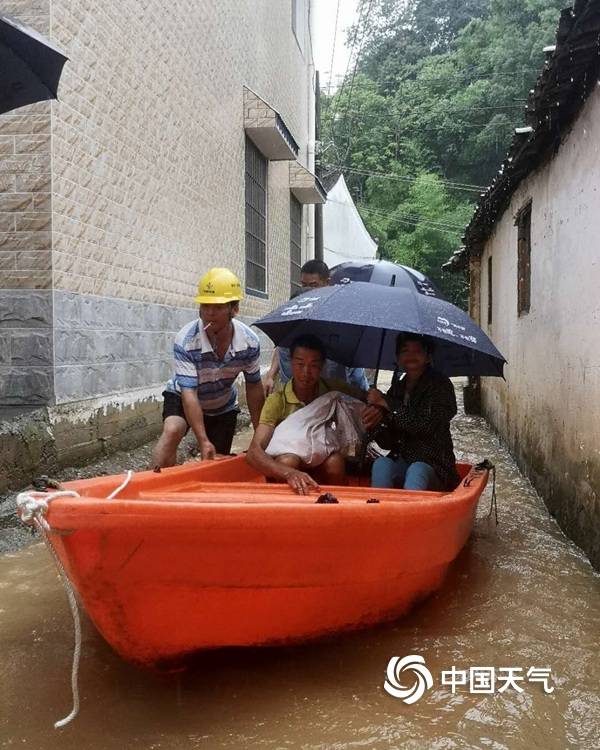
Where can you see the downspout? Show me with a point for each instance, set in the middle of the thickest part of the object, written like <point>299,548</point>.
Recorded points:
<point>318,206</point>
<point>313,96</point>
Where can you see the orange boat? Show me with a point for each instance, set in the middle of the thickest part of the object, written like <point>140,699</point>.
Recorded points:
<point>189,559</point>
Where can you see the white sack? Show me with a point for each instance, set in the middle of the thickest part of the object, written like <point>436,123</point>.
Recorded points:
<point>329,424</point>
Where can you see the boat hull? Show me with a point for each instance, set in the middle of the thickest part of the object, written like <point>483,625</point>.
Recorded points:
<point>188,562</point>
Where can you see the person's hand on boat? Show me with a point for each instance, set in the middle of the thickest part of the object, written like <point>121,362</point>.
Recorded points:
<point>301,482</point>
<point>207,450</point>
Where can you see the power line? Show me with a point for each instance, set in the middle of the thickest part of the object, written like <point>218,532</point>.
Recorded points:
<point>457,75</point>
<point>338,93</point>
<point>362,41</point>
<point>407,178</point>
<point>453,232</point>
<point>415,218</point>
<point>337,13</point>
<point>410,223</point>
<point>451,111</point>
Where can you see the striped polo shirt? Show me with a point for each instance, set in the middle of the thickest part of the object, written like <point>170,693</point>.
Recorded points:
<point>198,366</point>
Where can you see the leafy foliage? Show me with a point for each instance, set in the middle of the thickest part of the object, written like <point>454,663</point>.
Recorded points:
<point>432,104</point>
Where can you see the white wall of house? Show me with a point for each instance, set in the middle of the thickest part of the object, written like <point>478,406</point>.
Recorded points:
<point>548,409</point>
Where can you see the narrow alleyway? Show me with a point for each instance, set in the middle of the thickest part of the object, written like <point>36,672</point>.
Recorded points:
<point>520,595</point>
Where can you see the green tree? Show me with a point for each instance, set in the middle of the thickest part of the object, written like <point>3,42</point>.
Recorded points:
<point>438,89</point>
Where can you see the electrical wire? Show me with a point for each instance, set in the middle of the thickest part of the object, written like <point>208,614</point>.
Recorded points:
<point>412,218</point>
<point>337,13</point>
<point>406,178</point>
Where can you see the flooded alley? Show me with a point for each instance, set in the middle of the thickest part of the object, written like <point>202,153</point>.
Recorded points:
<point>520,595</point>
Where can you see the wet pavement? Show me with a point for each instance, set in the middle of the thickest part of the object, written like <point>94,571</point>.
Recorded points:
<point>520,595</point>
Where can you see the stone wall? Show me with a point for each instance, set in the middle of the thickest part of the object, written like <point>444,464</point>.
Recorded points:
<point>548,409</point>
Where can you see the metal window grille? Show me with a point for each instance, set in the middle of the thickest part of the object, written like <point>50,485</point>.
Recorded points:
<point>256,220</point>
<point>295,245</point>
<point>524,260</point>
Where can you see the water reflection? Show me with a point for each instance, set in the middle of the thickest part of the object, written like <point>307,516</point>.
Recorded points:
<point>519,595</point>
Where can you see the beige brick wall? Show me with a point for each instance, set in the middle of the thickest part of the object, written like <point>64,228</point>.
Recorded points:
<point>148,143</point>
<point>25,257</point>
<point>118,197</point>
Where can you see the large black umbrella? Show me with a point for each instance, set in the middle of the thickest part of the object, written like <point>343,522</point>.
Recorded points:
<point>386,273</point>
<point>30,65</point>
<point>351,318</point>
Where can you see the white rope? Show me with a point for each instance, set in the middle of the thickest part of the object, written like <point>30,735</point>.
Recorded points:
<point>122,486</point>
<point>32,509</point>
<point>76,626</point>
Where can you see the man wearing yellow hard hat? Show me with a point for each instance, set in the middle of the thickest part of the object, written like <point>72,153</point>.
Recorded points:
<point>210,352</point>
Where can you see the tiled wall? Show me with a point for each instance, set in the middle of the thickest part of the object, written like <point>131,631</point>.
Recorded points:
<point>26,376</point>
<point>135,185</point>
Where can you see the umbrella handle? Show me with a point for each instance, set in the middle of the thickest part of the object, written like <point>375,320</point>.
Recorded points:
<point>392,283</point>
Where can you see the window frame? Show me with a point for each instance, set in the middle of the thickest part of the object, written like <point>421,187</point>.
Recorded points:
<point>252,210</point>
<point>295,246</point>
<point>523,224</point>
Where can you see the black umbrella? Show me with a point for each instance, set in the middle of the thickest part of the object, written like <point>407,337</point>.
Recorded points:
<point>30,65</point>
<point>385,273</point>
<point>351,318</point>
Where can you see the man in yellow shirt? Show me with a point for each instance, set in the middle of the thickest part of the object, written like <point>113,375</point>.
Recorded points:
<point>307,359</point>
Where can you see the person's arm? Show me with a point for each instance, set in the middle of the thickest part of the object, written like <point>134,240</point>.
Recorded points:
<point>299,481</point>
<point>255,396</point>
<point>376,410</point>
<point>195,417</point>
<point>269,379</point>
<point>334,384</point>
<point>186,375</point>
<point>356,376</point>
<point>437,411</point>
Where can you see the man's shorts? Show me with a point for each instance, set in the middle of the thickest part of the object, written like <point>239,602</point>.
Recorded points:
<point>220,429</point>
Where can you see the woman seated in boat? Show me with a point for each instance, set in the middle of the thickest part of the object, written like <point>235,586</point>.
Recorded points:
<point>307,359</point>
<point>414,423</point>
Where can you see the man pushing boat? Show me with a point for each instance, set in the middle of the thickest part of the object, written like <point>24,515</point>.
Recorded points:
<point>209,354</point>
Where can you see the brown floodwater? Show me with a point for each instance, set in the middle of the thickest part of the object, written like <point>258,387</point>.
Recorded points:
<point>520,595</point>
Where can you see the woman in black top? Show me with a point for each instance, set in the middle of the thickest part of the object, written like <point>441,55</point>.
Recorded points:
<point>415,423</point>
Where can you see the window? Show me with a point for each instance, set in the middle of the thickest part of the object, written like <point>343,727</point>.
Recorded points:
<point>490,292</point>
<point>523,223</point>
<point>256,221</point>
<point>295,244</point>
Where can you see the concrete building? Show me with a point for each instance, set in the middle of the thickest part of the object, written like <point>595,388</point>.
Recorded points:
<point>532,252</point>
<point>183,139</point>
<point>345,237</point>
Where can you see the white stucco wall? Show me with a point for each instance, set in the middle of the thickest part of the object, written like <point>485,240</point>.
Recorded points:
<point>549,407</point>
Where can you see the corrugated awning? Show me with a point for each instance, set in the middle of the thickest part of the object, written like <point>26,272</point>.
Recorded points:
<point>306,186</point>
<point>267,130</point>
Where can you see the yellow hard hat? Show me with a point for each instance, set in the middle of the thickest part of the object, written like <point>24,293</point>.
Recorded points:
<point>217,286</point>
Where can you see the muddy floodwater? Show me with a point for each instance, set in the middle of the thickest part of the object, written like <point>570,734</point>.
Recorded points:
<point>519,596</point>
